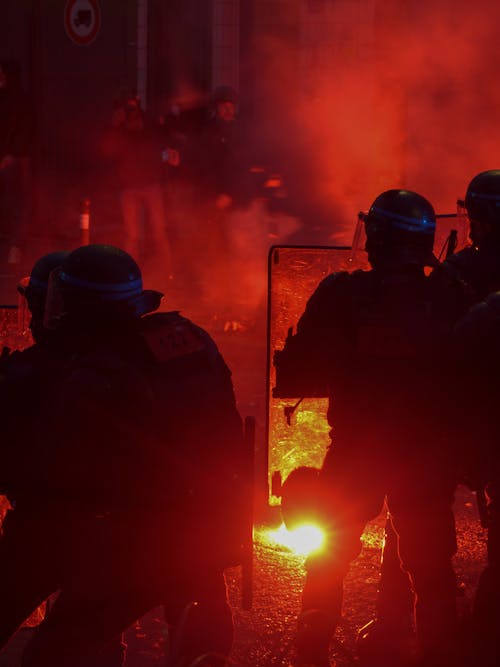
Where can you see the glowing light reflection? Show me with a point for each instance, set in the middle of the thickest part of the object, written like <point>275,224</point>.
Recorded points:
<point>303,540</point>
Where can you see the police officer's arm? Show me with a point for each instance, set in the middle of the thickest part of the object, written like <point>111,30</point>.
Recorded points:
<point>302,366</point>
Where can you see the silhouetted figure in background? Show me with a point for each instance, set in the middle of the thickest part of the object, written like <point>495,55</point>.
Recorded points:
<point>181,128</point>
<point>16,130</point>
<point>220,168</point>
<point>139,457</point>
<point>135,145</point>
<point>374,339</point>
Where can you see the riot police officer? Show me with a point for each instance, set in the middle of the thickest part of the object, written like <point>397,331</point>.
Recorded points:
<point>476,346</point>
<point>28,552</point>
<point>31,542</point>
<point>376,339</point>
<point>477,268</point>
<point>24,373</point>
<point>478,265</point>
<point>140,453</point>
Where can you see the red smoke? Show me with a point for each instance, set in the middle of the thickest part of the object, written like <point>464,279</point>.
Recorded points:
<point>380,94</point>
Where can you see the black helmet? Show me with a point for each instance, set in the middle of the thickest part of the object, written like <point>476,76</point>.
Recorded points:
<point>482,199</point>
<point>33,290</point>
<point>400,228</point>
<point>103,280</point>
<point>225,94</point>
<point>34,287</point>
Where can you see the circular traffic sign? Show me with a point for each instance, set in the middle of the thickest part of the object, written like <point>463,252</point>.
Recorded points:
<point>82,20</point>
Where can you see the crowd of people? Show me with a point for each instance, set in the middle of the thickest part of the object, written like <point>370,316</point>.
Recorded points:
<point>125,466</point>
<point>177,185</point>
<point>184,185</point>
<point>124,460</point>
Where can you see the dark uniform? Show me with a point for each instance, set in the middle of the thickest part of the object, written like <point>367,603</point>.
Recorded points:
<point>140,454</point>
<point>377,339</point>
<point>478,361</point>
<point>478,266</point>
<point>477,269</point>
<point>33,546</point>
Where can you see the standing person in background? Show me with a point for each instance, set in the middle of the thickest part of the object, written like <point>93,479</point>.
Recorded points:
<point>181,127</point>
<point>135,145</point>
<point>221,170</point>
<point>222,152</point>
<point>16,130</point>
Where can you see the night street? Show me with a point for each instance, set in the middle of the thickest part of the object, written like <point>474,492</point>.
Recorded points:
<point>264,636</point>
<point>245,242</point>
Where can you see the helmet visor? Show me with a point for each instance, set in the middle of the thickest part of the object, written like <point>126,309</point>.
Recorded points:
<point>463,221</point>
<point>359,239</point>
<point>23,313</point>
<point>54,303</point>
<point>125,301</point>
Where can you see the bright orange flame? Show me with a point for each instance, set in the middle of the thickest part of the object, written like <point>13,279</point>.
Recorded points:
<point>302,540</point>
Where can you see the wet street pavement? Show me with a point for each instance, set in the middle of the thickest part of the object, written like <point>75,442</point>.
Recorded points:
<point>264,636</point>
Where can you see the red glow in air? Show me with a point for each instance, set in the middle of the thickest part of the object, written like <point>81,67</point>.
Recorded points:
<point>371,95</point>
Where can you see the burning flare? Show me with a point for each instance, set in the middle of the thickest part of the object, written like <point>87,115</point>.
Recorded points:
<point>302,540</point>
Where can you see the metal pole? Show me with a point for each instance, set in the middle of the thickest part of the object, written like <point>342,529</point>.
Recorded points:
<point>142,51</point>
<point>85,222</point>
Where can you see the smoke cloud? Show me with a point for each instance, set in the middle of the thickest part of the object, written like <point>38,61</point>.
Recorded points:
<point>374,95</point>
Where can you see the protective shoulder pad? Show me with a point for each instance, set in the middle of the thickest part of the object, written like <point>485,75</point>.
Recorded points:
<point>336,278</point>
<point>343,285</point>
<point>170,336</point>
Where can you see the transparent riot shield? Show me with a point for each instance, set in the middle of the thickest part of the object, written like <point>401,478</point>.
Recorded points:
<point>14,335</point>
<point>14,328</point>
<point>297,430</point>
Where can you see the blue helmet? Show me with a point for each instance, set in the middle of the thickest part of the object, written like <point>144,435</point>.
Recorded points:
<point>400,228</point>
<point>103,279</point>
<point>482,199</point>
<point>34,287</point>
